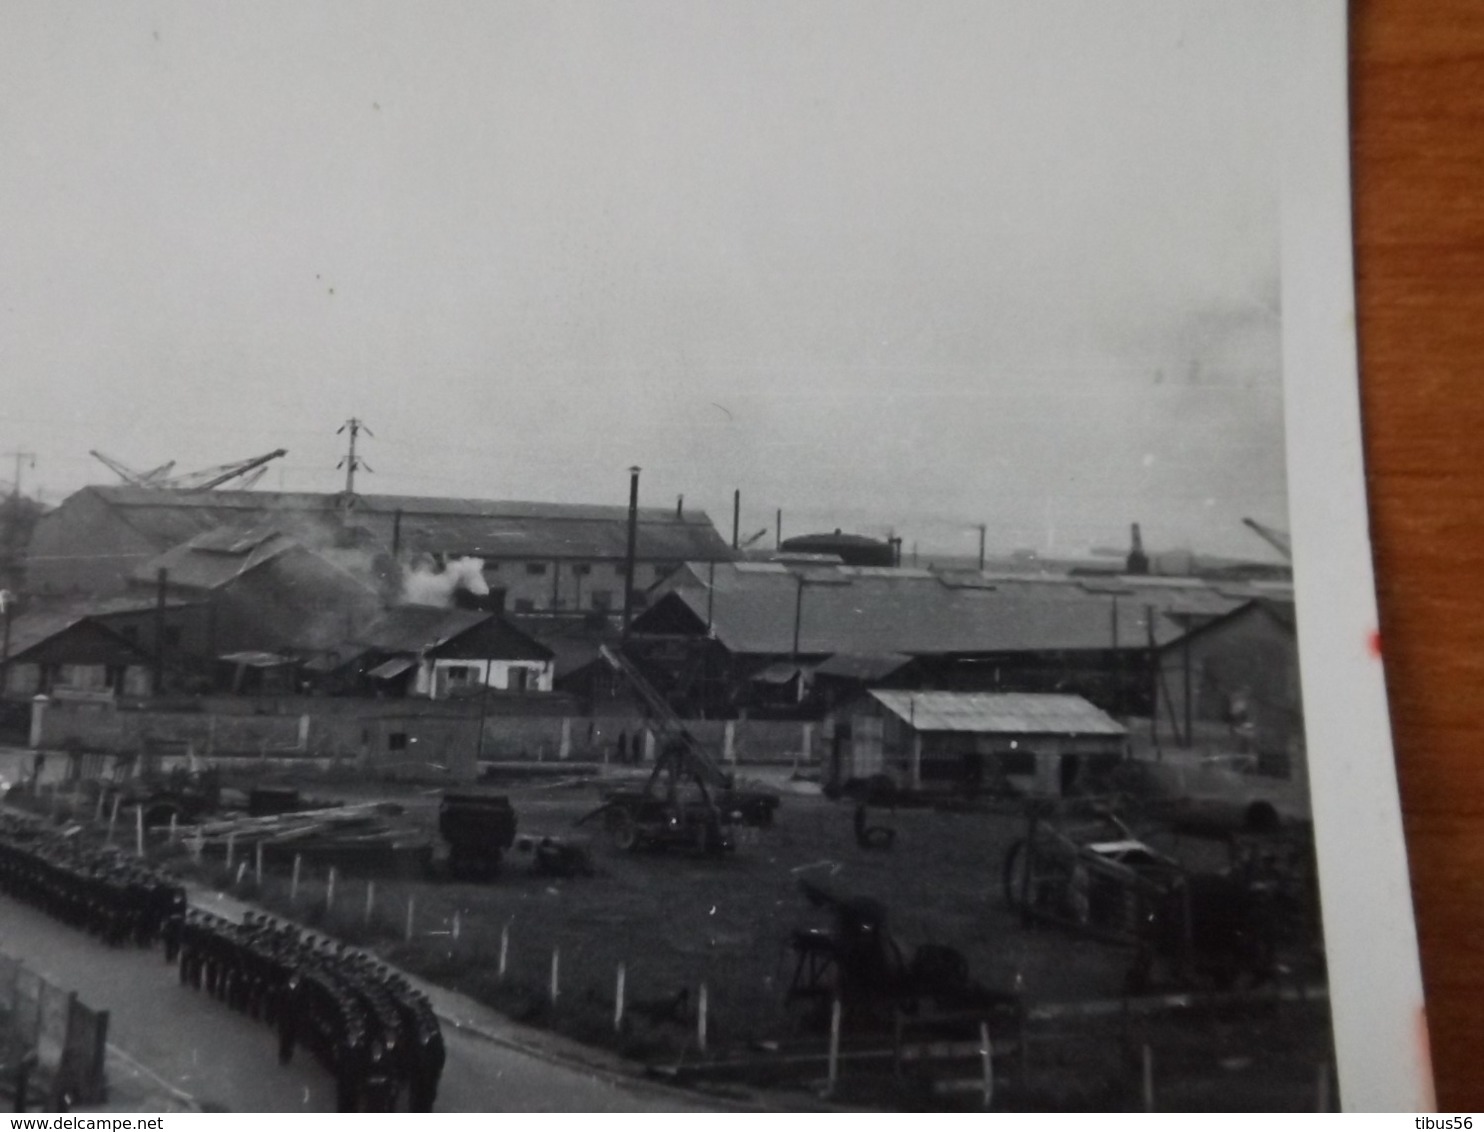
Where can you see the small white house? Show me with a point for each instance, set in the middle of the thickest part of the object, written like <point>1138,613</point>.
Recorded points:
<point>427,651</point>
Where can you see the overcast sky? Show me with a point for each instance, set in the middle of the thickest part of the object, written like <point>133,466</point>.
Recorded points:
<point>909,264</point>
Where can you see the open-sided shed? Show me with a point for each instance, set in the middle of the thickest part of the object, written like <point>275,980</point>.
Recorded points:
<point>971,742</point>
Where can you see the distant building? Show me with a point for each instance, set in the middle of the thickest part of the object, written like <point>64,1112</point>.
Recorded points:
<point>1233,684</point>
<point>439,653</point>
<point>972,743</point>
<point>547,557</point>
<point>740,635</point>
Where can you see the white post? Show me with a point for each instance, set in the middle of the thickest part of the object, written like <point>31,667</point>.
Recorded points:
<point>98,809</point>
<point>565,751</point>
<point>917,760</point>
<point>648,745</point>
<point>370,900</point>
<point>986,1054</point>
<point>173,833</point>
<point>618,1001</point>
<point>701,1011</point>
<point>330,890</point>
<point>231,850</point>
<point>411,905</point>
<point>504,950</point>
<point>38,720</point>
<point>806,744</point>
<point>257,870</point>
<point>556,966</point>
<point>113,816</point>
<point>294,880</point>
<point>834,1064</point>
<point>304,732</point>
<point>241,869</point>
<point>729,741</point>
<point>139,830</point>
<point>1148,1058</point>
<point>457,924</point>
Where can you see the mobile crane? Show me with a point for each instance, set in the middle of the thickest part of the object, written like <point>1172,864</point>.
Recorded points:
<point>688,801</point>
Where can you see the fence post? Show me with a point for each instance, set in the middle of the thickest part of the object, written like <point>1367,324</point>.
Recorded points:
<point>729,741</point>
<point>258,863</point>
<point>294,880</point>
<point>411,904</point>
<point>556,967</point>
<point>833,1075</point>
<point>330,891</point>
<point>231,850</point>
<point>702,1009</point>
<point>98,809</point>
<point>618,1001</point>
<point>173,832</point>
<point>986,1053</point>
<point>241,872</point>
<point>139,830</point>
<point>1148,1065</point>
<point>457,925</point>
<point>504,950</point>
<point>113,816</point>
<point>370,900</point>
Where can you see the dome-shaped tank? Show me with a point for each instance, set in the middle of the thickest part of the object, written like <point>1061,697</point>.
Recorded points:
<point>852,550</point>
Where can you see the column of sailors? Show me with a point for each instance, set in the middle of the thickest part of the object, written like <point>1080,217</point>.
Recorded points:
<point>375,1034</point>
<point>102,892</point>
<point>378,1037</point>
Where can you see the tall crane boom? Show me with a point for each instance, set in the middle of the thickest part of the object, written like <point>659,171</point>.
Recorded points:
<point>209,478</point>
<point>1278,540</point>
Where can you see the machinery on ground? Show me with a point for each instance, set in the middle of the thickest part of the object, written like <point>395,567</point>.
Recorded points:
<point>688,801</point>
<point>479,828</point>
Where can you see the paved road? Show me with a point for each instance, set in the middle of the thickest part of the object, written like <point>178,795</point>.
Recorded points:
<point>171,1040</point>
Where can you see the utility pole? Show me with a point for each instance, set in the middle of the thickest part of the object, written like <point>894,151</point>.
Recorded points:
<point>982,529</point>
<point>10,549</point>
<point>736,518</point>
<point>778,530</point>
<point>632,552</point>
<point>351,463</point>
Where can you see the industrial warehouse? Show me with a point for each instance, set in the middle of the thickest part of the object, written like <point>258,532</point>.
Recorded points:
<point>610,690</point>
<point>675,558</point>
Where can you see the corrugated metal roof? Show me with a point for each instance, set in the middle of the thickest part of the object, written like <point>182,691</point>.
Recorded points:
<point>1007,713</point>
<point>487,528</point>
<point>31,627</point>
<point>391,668</point>
<point>878,610</point>
<point>214,558</point>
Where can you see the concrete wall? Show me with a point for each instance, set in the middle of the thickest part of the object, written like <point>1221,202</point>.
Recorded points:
<point>399,733</point>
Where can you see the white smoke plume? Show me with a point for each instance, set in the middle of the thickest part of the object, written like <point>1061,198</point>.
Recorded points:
<point>425,584</point>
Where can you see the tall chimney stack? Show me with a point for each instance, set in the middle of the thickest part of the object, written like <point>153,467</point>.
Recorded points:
<point>632,552</point>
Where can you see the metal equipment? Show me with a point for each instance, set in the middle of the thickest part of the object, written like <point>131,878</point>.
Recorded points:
<point>479,828</point>
<point>1093,876</point>
<point>688,801</point>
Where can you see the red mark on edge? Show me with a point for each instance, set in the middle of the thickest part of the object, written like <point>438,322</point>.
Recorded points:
<point>1373,643</point>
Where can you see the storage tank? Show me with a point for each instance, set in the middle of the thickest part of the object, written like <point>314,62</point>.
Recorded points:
<point>853,550</point>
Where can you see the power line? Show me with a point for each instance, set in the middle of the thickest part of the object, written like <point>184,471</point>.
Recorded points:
<point>352,463</point>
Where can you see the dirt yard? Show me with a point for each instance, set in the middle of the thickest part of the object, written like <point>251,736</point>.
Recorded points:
<point>676,922</point>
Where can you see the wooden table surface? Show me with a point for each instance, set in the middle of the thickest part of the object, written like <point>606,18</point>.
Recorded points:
<point>1417,88</point>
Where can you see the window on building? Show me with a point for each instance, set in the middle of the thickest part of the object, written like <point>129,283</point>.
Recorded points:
<point>535,567</point>
<point>460,673</point>
<point>621,570</point>
<point>1018,762</point>
<point>172,635</point>
<point>524,605</point>
<point>396,741</point>
<point>582,569</point>
<point>602,599</point>
<point>520,679</point>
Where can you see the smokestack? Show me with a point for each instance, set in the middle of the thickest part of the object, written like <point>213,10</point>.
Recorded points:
<point>1138,561</point>
<point>778,530</point>
<point>396,532</point>
<point>679,507</point>
<point>633,550</point>
<point>736,518</point>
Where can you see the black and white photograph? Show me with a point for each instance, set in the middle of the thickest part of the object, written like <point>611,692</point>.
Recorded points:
<point>688,557</point>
